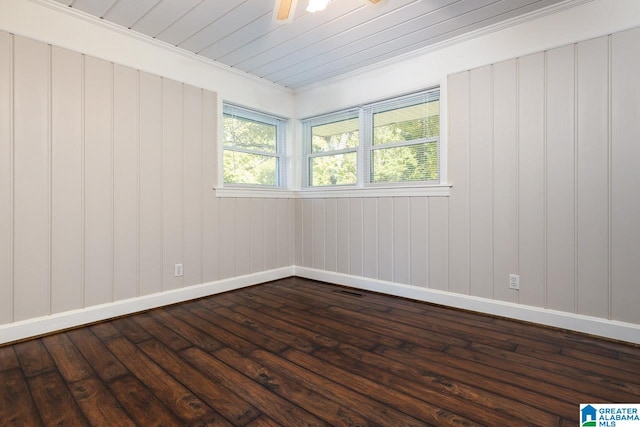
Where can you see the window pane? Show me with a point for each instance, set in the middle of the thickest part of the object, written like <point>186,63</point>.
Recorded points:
<point>335,136</point>
<point>249,134</point>
<point>246,168</point>
<point>339,169</point>
<point>417,162</point>
<point>421,120</point>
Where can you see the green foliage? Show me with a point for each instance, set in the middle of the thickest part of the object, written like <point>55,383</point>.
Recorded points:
<point>249,134</point>
<point>408,130</point>
<point>246,168</point>
<point>417,162</point>
<point>240,167</point>
<point>339,169</point>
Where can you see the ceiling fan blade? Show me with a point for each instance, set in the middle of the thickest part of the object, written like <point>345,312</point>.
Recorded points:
<point>284,9</point>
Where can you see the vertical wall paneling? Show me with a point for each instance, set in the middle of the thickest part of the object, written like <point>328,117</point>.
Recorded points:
<point>370,226</point>
<point>193,170</point>
<point>150,184</point>
<point>172,181</point>
<point>593,177</point>
<point>31,179</point>
<point>125,182</point>
<point>560,175</point>
<point>356,237</point>
<point>531,179</point>
<point>342,252</point>
<point>299,234</point>
<point>481,165</point>
<point>292,226</point>
<point>319,235</point>
<point>98,188</point>
<point>307,233</point>
<point>275,232</point>
<point>386,238</point>
<point>227,242</point>
<point>438,242</point>
<point>262,218</point>
<point>401,240</point>
<point>625,176</point>
<point>505,178</point>
<point>419,236</point>
<point>280,247</point>
<point>243,236</point>
<point>66,180</point>
<point>458,145</point>
<point>6,177</point>
<point>210,215</point>
<point>331,239</point>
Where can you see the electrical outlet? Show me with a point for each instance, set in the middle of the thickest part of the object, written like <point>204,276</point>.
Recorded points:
<point>178,270</point>
<point>514,281</point>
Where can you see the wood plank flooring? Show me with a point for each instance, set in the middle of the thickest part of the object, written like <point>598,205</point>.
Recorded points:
<point>298,352</point>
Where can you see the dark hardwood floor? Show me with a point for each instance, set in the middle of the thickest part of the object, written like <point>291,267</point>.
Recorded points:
<point>299,352</point>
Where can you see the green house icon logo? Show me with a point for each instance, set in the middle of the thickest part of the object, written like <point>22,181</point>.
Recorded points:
<point>588,416</point>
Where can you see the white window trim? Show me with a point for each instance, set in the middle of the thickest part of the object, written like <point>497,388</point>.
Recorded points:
<point>296,158</point>
<point>441,190</point>
<point>365,148</point>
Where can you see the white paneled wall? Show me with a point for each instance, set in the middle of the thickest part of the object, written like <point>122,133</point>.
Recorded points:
<point>106,182</point>
<point>544,156</point>
<point>396,239</point>
<point>543,160</point>
<point>624,176</point>
<point>6,178</point>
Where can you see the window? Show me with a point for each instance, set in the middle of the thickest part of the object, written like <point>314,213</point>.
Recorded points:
<point>398,140</point>
<point>253,152</point>
<point>334,149</point>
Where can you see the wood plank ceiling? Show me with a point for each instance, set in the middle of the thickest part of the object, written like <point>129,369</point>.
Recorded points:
<point>348,35</point>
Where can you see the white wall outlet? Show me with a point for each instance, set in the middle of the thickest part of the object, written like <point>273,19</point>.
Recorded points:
<point>178,270</point>
<point>514,281</point>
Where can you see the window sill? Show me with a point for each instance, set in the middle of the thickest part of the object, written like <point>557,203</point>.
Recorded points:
<point>254,192</point>
<point>441,190</point>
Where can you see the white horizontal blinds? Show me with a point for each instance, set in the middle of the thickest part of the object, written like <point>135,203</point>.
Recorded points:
<point>332,148</point>
<point>403,138</point>
<point>252,144</point>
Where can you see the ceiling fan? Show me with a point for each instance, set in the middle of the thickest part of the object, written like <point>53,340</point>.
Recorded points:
<point>284,10</point>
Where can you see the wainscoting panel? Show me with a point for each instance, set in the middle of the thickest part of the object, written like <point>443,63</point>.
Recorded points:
<point>531,180</point>
<point>505,178</point>
<point>625,176</point>
<point>107,181</point>
<point>67,172</point>
<point>126,110</point>
<point>6,177</point>
<point>31,179</point>
<point>560,178</point>
<point>151,240</point>
<point>593,177</point>
<point>192,246</point>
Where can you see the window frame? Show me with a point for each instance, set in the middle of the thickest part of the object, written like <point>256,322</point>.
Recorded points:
<point>366,147</point>
<point>230,109</point>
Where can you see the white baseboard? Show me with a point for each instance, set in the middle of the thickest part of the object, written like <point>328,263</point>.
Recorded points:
<point>591,325</point>
<point>611,329</point>
<point>43,325</point>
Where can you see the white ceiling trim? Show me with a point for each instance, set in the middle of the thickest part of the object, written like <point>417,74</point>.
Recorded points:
<point>59,7</point>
